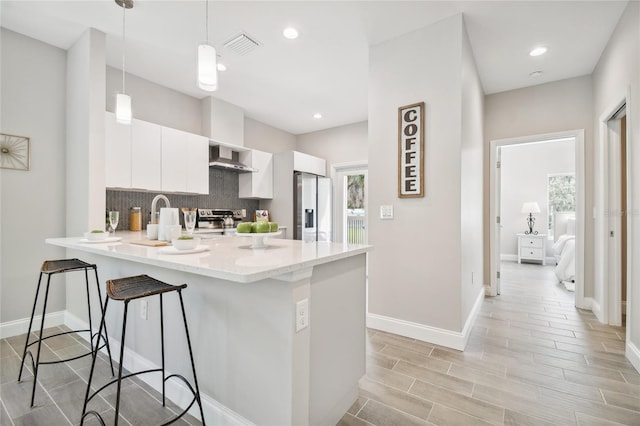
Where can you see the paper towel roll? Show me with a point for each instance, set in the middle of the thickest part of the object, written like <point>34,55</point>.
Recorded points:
<point>168,216</point>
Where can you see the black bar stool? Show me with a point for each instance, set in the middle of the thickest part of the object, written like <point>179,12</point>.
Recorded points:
<point>52,267</point>
<point>128,289</point>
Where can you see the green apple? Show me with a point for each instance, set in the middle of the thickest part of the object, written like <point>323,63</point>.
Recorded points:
<point>262,227</point>
<point>244,227</point>
<point>273,226</point>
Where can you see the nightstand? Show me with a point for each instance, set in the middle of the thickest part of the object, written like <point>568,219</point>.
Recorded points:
<point>532,247</point>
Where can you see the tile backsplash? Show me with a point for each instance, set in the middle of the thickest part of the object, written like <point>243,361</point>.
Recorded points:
<point>223,194</point>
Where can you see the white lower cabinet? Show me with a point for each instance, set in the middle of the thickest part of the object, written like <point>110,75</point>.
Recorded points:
<point>258,184</point>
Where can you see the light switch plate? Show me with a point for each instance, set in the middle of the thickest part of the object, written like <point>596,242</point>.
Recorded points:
<point>386,212</point>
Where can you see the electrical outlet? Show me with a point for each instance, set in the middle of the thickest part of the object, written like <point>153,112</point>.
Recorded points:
<point>302,314</point>
<point>143,310</point>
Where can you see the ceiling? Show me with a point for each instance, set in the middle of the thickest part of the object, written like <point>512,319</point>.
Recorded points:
<point>284,82</point>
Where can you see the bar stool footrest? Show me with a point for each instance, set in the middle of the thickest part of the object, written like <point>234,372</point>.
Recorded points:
<point>66,359</point>
<point>130,375</point>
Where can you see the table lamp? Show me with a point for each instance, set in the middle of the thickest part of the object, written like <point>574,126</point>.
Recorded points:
<point>531,207</point>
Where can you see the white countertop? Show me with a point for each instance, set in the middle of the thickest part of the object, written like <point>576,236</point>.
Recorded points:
<point>228,258</point>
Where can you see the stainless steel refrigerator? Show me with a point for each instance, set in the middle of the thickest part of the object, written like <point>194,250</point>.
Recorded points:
<point>312,207</point>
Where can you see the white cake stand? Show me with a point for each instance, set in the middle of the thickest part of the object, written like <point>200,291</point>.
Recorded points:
<point>258,238</point>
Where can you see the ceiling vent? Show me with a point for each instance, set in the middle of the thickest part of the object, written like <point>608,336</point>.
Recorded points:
<point>242,43</point>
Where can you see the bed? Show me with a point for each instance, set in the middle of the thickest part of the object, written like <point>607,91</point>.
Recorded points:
<point>564,248</point>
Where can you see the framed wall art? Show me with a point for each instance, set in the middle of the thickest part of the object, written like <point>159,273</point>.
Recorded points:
<point>14,152</point>
<point>411,151</point>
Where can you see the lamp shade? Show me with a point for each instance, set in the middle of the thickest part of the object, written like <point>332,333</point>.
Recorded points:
<point>123,108</point>
<point>530,207</point>
<point>207,69</point>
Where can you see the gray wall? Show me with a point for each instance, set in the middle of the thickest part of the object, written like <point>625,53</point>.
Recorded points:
<point>33,202</point>
<point>616,75</point>
<point>546,108</point>
<point>424,285</point>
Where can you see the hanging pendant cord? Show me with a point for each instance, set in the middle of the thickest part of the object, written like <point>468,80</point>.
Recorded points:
<point>124,8</point>
<point>207,19</point>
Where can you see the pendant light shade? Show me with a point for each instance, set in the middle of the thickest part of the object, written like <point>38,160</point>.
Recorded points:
<point>123,108</point>
<point>207,68</point>
<point>123,101</point>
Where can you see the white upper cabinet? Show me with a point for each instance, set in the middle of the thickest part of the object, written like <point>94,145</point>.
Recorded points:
<point>174,160</point>
<point>185,162</point>
<point>117,153</point>
<point>151,157</point>
<point>222,122</point>
<point>258,184</point>
<point>146,162</point>
<point>198,164</point>
<point>309,164</point>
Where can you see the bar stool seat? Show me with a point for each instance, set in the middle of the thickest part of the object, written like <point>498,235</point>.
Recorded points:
<point>50,268</point>
<point>125,290</point>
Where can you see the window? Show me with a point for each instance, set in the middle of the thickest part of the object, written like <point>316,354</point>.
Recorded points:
<point>561,190</point>
<point>355,231</point>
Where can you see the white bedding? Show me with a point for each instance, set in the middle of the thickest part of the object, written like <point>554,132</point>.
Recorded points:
<point>564,250</point>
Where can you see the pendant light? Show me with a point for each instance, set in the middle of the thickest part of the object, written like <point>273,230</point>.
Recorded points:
<point>123,101</point>
<point>207,58</point>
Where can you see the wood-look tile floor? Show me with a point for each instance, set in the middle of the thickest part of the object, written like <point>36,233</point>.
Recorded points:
<point>61,388</point>
<point>532,359</point>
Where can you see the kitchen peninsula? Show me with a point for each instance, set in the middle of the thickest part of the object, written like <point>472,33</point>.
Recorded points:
<point>253,365</point>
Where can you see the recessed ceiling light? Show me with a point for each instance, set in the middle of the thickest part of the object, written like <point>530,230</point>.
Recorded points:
<point>535,74</point>
<point>221,67</point>
<point>317,115</point>
<point>290,33</point>
<point>537,51</point>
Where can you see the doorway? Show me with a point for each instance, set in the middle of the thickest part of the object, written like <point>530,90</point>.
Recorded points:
<point>351,190</point>
<point>612,248</point>
<point>495,206</point>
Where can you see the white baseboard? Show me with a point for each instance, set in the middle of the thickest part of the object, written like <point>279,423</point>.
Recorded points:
<point>176,390</point>
<point>597,310</point>
<point>587,303</point>
<point>508,257</point>
<point>439,336</point>
<point>18,327</point>
<point>633,355</point>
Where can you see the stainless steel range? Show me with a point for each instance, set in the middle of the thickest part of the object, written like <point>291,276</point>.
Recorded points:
<point>216,219</point>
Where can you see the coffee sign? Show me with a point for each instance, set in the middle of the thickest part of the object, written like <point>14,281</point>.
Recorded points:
<point>411,151</point>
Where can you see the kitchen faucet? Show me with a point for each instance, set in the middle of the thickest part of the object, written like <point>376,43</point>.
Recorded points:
<point>154,218</point>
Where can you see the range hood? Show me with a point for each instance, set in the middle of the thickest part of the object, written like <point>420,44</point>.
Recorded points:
<point>223,157</point>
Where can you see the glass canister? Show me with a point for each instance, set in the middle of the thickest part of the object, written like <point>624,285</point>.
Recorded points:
<point>135,219</point>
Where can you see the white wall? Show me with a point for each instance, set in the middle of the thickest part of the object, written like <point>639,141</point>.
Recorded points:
<point>471,197</point>
<point>546,108</point>
<point>154,103</point>
<point>414,275</point>
<point>342,144</point>
<point>32,202</point>
<point>618,73</point>
<point>525,169</point>
<point>266,138</point>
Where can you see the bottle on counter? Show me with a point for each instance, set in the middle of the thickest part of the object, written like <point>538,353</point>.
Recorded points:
<point>135,219</point>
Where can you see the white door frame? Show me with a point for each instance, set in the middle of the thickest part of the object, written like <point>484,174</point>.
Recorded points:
<point>607,291</point>
<point>578,135</point>
<point>338,204</point>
